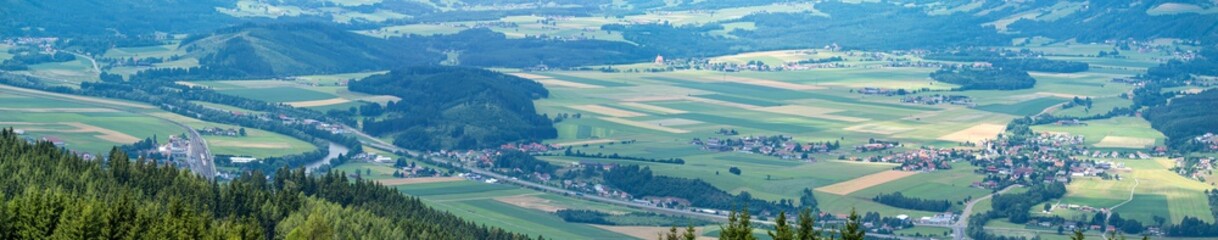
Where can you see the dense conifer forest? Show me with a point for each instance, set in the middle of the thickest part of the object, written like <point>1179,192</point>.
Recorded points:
<point>456,108</point>
<point>49,193</point>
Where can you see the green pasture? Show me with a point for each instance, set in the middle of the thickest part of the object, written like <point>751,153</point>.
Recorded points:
<point>257,143</point>
<point>952,185</point>
<point>476,201</point>
<point>278,94</point>
<point>1026,108</point>
<point>1095,130</point>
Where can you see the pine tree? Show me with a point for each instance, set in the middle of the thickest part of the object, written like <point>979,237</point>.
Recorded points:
<point>853,229</point>
<point>1078,235</point>
<point>672,234</point>
<point>690,233</point>
<point>782,230</point>
<point>807,226</point>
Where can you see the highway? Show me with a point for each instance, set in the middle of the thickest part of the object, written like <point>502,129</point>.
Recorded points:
<point>377,143</point>
<point>200,158</point>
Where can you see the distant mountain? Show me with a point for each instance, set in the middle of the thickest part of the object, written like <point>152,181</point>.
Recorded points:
<point>1096,21</point>
<point>265,50</point>
<point>456,108</point>
<point>62,18</point>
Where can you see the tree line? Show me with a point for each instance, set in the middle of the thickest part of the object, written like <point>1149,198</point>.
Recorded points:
<point>896,199</point>
<point>51,193</point>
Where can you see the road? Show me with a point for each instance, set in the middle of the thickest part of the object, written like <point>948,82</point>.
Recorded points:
<point>377,143</point>
<point>962,223</point>
<point>96,68</point>
<point>200,158</point>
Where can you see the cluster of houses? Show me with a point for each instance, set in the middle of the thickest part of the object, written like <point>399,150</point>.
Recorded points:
<point>780,146</point>
<point>926,159</point>
<point>925,64</point>
<point>1044,157</point>
<point>1208,139</point>
<point>46,44</point>
<point>216,131</point>
<point>176,147</point>
<point>877,145</point>
<point>940,99</point>
<point>333,128</point>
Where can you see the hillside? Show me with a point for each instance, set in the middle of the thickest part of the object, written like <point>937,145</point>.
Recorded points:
<point>269,50</point>
<point>49,194</point>
<point>451,107</point>
<point>101,17</point>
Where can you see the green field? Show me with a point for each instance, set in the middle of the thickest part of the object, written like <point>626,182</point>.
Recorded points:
<point>477,202</point>
<point>1095,131</point>
<point>279,94</point>
<point>951,185</point>
<point>1024,108</point>
<point>86,126</point>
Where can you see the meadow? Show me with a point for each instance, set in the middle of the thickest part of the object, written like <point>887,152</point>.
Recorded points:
<point>513,208</point>
<point>95,125</point>
<point>663,111</point>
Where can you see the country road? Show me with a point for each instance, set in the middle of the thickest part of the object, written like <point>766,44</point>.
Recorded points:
<point>962,223</point>
<point>380,144</point>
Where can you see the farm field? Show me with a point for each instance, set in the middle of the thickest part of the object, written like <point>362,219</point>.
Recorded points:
<point>512,208</point>
<point>1150,188</point>
<point>1117,132</point>
<point>663,111</point>
<point>318,92</point>
<point>85,126</point>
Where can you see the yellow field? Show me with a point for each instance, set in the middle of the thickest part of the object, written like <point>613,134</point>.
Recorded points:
<point>531,201</point>
<point>864,182</point>
<point>1125,142</point>
<point>318,103</point>
<point>772,83</point>
<point>811,112</point>
<point>877,128</point>
<point>550,82</point>
<point>653,108</point>
<point>642,232</point>
<point>976,133</point>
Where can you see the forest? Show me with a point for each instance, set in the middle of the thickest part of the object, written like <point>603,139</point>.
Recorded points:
<point>1009,59</point>
<point>485,48</point>
<point>985,78</point>
<point>456,108</point>
<point>897,199</point>
<point>640,182</point>
<point>52,194</point>
<point>1184,118</point>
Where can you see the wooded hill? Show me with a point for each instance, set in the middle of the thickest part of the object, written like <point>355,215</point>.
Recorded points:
<point>273,50</point>
<point>456,108</point>
<point>1186,117</point>
<point>48,193</point>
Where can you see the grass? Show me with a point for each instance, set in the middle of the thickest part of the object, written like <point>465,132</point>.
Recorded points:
<point>1024,108</point>
<point>475,201</point>
<point>278,94</point>
<point>951,185</point>
<point>1096,130</point>
<point>257,143</point>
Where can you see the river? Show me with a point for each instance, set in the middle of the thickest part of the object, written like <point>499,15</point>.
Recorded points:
<point>335,150</point>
